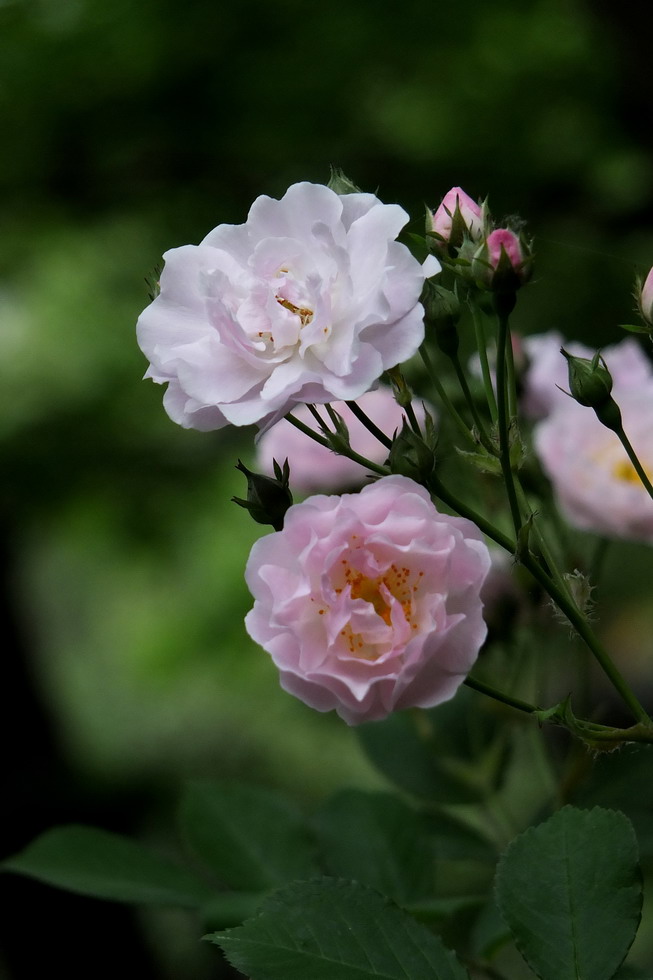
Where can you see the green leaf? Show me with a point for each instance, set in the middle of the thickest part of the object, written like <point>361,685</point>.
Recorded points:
<point>105,865</point>
<point>570,890</point>
<point>633,973</point>
<point>481,460</point>
<point>251,838</point>
<point>330,929</point>
<point>378,840</point>
<point>635,327</point>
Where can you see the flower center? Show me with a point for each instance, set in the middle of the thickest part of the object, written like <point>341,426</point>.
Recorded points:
<point>305,315</point>
<point>626,472</point>
<point>399,583</point>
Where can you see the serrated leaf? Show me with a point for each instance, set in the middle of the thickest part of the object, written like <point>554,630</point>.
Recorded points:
<point>570,891</point>
<point>378,840</point>
<point>481,460</point>
<point>105,865</point>
<point>330,929</point>
<point>251,838</point>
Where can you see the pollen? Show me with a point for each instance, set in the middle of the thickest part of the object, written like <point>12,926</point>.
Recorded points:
<point>305,315</point>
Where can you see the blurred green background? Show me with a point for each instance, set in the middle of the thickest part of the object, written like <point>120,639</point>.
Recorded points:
<point>132,127</point>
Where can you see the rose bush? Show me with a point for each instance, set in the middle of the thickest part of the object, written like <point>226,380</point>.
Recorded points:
<point>369,602</point>
<point>314,467</point>
<point>309,301</point>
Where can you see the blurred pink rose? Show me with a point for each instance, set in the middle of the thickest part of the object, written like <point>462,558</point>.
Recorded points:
<point>369,602</point>
<point>470,213</point>
<point>310,300</point>
<point>312,467</point>
<point>547,371</point>
<point>595,483</point>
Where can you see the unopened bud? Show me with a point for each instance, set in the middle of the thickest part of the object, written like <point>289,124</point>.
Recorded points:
<point>268,498</point>
<point>645,299</point>
<point>458,217</point>
<point>504,262</point>
<point>590,383</point>
<point>412,455</point>
<point>341,184</point>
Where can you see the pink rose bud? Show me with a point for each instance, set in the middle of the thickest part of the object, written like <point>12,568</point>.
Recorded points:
<point>457,217</point>
<point>504,240</point>
<point>646,299</point>
<point>503,262</point>
<point>370,602</point>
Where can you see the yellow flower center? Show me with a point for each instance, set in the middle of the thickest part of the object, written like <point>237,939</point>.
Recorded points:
<point>625,471</point>
<point>400,582</point>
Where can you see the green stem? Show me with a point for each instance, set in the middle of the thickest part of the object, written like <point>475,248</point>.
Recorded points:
<point>511,385</point>
<point>478,421</point>
<point>493,692</point>
<point>350,454</point>
<point>369,424</point>
<point>463,510</point>
<point>412,418</point>
<point>481,344</point>
<point>632,455</point>
<point>503,338</point>
<point>444,398</point>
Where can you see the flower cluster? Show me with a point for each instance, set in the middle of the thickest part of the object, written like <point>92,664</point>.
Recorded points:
<point>371,602</point>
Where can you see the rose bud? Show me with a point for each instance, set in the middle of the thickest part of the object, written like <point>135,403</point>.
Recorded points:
<point>458,217</point>
<point>645,299</point>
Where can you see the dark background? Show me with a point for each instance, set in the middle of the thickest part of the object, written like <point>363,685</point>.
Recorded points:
<point>131,127</point>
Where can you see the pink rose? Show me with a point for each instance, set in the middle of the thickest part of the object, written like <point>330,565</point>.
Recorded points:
<point>547,378</point>
<point>309,301</point>
<point>470,214</point>
<point>369,602</point>
<point>312,467</point>
<point>595,483</point>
